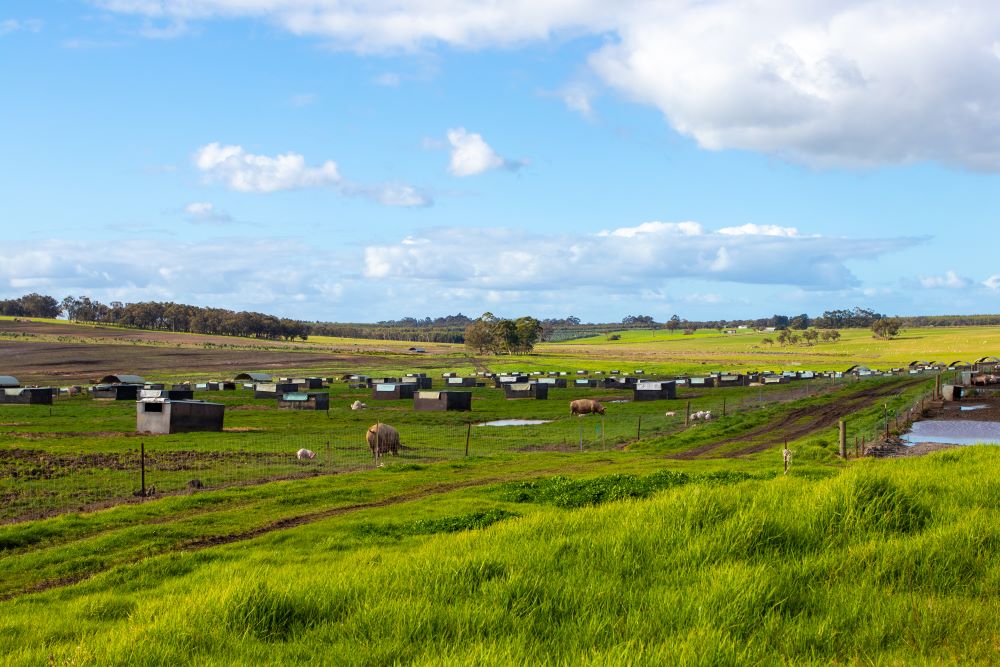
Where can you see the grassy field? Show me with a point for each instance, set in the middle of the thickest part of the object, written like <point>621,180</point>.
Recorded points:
<point>627,539</point>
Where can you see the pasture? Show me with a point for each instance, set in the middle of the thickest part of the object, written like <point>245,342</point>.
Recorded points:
<point>632,538</point>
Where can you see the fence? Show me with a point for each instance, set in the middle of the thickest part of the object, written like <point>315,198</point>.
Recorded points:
<point>43,481</point>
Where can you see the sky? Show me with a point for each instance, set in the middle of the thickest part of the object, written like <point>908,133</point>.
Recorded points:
<point>365,160</point>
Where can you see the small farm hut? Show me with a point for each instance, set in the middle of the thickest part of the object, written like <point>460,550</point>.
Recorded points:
<point>9,382</point>
<point>442,400</point>
<point>500,380</point>
<point>253,377</point>
<point>273,389</point>
<point>164,416</point>
<point>26,396</point>
<point>122,378</point>
<point>526,390</point>
<point>585,383</point>
<point>116,392</point>
<point>172,394</point>
<point>701,382</point>
<point>559,383</point>
<point>388,391</point>
<point>462,382</point>
<point>661,390</point>
<point>419,381</point>
<point>304,401</point>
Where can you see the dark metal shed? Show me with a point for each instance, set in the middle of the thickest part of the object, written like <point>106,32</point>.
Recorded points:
<point>442,400</point>
<point>164,416</point>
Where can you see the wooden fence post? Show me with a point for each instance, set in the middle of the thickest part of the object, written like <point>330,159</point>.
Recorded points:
<point>142,468</point>
<point>468,434</point>
<point>843,439</point>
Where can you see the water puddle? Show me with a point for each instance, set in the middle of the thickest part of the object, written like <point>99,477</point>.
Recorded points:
<point>954,432</point>
<point>967,408</point>
<point>516,422</point>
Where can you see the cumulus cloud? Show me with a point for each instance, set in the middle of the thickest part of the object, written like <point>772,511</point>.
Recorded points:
<point>950,280</point>
<point>759,230</point>
<point>632,257</point>
<point>993,282</point>
<point>246,172</point>
<point>471,155</point>
<point>845,82</point>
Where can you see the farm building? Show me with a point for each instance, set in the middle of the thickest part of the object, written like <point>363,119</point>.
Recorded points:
<point>701,382</point>
<point>420,381</point>
<point>526,390</point>
<point>449,375</point>
<point>385,380</point>
<point>307,383</point>
<point>732,380</point>
<point>500,380</point>
<point>986,365</point>
<point>462,382</point>
<point>9,382</point>
<point>116,392</point>
<point>387,391</point>
<point>253,377</point>
<point>584,383</point>
<point>273,389</point>
<point>620,382</point>
<point>26,396</point>
<point>553,382</point>
<point>172,394</point>
<point>122,379</point>
<point>442,400</point>
<point>773,379</point>
<point>162,415</point>
<point>655,391</point>
<point>304,401</point>
<point>207,386</point>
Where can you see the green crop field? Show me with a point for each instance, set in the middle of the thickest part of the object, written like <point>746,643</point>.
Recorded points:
<point>636,537</point>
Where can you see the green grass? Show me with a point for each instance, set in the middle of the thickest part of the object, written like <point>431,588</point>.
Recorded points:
<point>887,562</point>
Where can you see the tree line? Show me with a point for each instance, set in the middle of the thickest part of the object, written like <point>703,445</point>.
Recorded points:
<point>496,335</point>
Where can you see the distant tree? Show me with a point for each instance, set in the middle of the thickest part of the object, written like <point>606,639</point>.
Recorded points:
<point>799,322</point>
<point>479,337</point>
<point>767,341</point>
<point>673,323</point>
<point>885,328</point>
<point>829,335</point>
<point>810,336</point>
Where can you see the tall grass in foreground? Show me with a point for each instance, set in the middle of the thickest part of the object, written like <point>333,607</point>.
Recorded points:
<point>888,562</point>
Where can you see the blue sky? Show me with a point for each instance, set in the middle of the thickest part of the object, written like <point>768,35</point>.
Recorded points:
<point>360,161</point>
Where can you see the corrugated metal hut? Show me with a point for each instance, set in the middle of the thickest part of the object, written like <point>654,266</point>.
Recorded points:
<point>172,394</point>
<point>304,401</point>
<point>584,383</point>
<point>308,383</point>
<point>660,390</point>
<point>253,377</point>
<point>732,380</point>
<point>462,382</point>
<point>559,383</point>
<point>500,380</point>
<point>421,381</point>
<point>442,400</point>
<point>122,378</point>
<point>526,390</point>
<point>9,382</point>
<point>701,382</point>
<point>27,396</point>
<point>273,389</point>
<point>116,392</point>
<point>388,391</point>
<point>162,415</point>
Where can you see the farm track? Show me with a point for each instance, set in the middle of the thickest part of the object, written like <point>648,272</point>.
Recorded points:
<point>798,423</point>
<point>198,544</point>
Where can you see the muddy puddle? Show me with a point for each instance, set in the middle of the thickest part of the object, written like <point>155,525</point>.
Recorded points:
<point>953,431</point>
<point>516,422</point>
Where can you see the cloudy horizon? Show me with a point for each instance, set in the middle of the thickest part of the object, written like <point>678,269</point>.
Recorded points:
<point>362,161</point>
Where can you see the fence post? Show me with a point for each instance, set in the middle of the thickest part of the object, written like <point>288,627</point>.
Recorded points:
<point>604,445</point>
<point>142,468</point>
<point>723,406</point>
<point>843,439</point>
<point>468,434</point>
<point>638,429</point>
<point>581,436</point>
<point>329,459</point>
<point>687,414</point>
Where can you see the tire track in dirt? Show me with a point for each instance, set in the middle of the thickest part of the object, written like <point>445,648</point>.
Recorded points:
<point>799,422</point>
<point>281,524</point>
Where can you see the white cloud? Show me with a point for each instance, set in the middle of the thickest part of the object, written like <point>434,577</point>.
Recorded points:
<point>247,172</point>
<point>8,26</point>
<point>498,259</point>
<point>993,282</point>
<point>950,280</point>
<point>471,155</point>
<point>259,275</point>
<point>203,211</point>
<point>845,82</point>
<point>759,230</point>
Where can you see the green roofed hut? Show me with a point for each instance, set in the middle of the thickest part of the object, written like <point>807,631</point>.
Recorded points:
<point>304,401</point>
